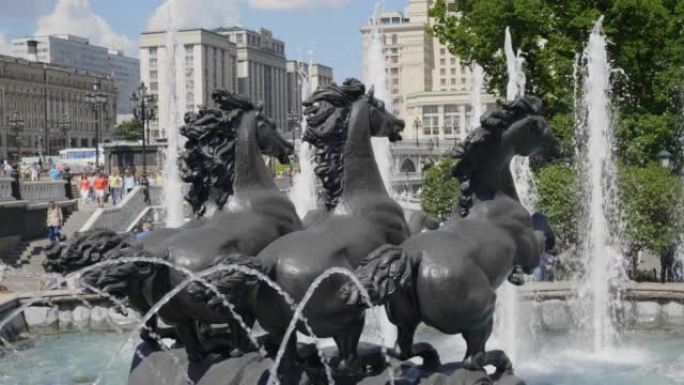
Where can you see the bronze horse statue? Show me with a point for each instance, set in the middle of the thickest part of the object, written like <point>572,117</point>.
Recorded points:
<point>222,160</point>
<point>341,121</point>
<point>447,278</point>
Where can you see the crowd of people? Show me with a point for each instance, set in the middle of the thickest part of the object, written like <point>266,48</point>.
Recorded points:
<point>100,188</point>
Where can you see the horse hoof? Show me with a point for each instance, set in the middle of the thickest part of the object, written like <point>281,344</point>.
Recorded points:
<point>474,363</point>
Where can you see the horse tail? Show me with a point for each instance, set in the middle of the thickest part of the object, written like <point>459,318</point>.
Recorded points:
<point>235,282</point>
<point>382,273</point>
<point>91,247</point>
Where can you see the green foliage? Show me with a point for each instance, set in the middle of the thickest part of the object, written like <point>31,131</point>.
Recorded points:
<point>646,43</point>
<point>558,198</point>
<point>440,189</point>
<point>129,130</point>
<point>651,196</point>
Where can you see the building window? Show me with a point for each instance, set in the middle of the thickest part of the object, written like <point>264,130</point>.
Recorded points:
<point>430,120</point>
<point>153,64</point>
<point>452,119</point>
<point>442,62</point>
<point>153,51</point>
<point>442,51</point>
<point>453,72</point>
<point>395,39</point>
<point>453,61</point>
<point>442,72</point>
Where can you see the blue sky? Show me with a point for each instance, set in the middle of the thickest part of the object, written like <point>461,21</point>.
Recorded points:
<point>329,28</point>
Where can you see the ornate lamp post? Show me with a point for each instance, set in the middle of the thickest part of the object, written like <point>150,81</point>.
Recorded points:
<point>144,109</point>
<point>416,126</point>
<point>16,123</point>
<point>64,125</point>
<point>97,100</point>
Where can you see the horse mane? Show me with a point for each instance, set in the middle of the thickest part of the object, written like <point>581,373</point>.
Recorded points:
<point>207,161</point>
<point>477,146</point>
<point>329,139</point>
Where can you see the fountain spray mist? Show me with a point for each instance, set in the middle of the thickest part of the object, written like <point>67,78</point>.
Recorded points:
<point>475,99</point>
<point>602,260</point>
<point>303,194</point>
<point>375,75</point>
<point>173,194</point>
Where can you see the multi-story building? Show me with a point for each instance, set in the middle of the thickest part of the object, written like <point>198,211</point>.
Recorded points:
<point>300,76</point>
<point>262,69</point>
<point>209,62</point>
<point>50,101</point>
<point>77,52</point>
<point>429,87</point>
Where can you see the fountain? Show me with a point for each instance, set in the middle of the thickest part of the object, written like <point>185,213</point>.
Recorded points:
<point>602,259</point>
<point>304,194</point>
<point>172,193</point>
<point>475,99</point>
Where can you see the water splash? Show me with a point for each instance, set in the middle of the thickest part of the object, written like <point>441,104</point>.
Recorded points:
<point>303,194</point>
<point>602,260</point>
<point>375,74</point>
<point>475,99</point>
<point>173,195</point>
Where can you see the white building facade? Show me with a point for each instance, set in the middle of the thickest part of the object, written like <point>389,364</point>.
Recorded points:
<point>77,52</point>
<point>430,88</point>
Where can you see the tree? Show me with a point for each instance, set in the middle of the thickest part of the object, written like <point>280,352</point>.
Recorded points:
<point>440,189</point>
<point>646,43</point>
<point>129,130</point>
<point>558,199</point>
<point>651,196</point>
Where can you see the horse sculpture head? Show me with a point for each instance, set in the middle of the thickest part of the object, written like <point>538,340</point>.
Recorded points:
<point>208,160</point>
<point>516,128</point>
<point>328,113</point>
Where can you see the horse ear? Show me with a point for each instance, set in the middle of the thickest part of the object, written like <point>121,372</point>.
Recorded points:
<point>260,106</point>
<point>371,92</point>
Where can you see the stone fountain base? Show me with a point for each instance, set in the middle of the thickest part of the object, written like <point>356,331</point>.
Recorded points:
<point>172,368</point>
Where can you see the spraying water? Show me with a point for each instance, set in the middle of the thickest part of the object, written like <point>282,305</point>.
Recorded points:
<point>375,75</point>
<point>173,195</point>
<point>303,194</point>
<point>602,261</point>
<point>475,99</point>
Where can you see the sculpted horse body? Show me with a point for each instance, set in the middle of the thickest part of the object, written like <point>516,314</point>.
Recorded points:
<point>447,278</point>
<point>341,122</point>
<point>222,160</point>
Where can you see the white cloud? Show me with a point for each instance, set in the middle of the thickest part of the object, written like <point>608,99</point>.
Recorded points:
<point>5,45</point>
<point>194,14</point>
<point>76,17</point>
<point>292,4</point>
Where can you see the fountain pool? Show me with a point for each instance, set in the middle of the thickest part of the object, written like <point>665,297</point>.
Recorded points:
<point>645,357</point>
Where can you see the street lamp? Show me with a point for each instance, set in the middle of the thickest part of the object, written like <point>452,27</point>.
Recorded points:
<point>144,108</point>
<point>16,124</point>
<point>96,99</point>
<point>665,159</point>
<point>416,126</point>
<point>64,125</point>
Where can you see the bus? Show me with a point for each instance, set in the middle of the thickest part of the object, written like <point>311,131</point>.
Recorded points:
<point>79,158</point>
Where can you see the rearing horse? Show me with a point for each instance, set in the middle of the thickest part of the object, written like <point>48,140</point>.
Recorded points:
<point>447,278</point>
<point>222,160</point>
<point>341,121</point>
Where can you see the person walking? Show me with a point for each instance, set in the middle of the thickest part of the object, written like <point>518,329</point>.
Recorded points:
<point>34,172</point>
<point>115,185</point>
<point>128,182</point>
<point>100,185</point>
<point>84,187</point>
<point>54,174</point>
<point>54,222</point>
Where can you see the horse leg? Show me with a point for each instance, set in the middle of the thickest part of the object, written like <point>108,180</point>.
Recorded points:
<point>239,338</point>
<point>347,346</point>
<point>476,340</point>
<point>188,334</point>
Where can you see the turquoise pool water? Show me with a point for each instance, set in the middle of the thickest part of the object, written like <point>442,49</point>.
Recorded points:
<point>643,358</point>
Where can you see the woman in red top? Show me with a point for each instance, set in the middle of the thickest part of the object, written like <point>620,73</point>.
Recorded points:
<point>100,185</point>
<point>84,187</point>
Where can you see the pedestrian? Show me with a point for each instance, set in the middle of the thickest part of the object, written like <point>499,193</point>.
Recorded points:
<point>128,181</point>
<point>146,228</point>
<point>53,173</point>
<point>100,186</point>
<point>84,187</point>
<point>34,172</point>
<point>91,193</point>
<point>159,179</point>
<point>115,185</point>
<point>54,222</point>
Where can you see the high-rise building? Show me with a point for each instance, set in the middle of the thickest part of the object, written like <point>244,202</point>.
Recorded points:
<point>261,69</point>
<point>299,75</point>
<point>39,100</point>
<point>209,62</point>
<point>77,52</point>
<point>429,87</point>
